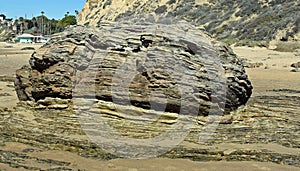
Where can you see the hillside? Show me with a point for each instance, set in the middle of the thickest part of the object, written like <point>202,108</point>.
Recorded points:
<point>249,21</point>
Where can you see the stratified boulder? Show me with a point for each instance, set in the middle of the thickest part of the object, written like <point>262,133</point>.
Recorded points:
<point>158,64</point>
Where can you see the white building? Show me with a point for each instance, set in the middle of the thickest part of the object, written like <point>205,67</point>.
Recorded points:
<point>29,38</point>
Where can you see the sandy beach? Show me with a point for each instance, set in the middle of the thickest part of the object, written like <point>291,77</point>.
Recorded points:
<point>11,59</point>
<point>274,74</point>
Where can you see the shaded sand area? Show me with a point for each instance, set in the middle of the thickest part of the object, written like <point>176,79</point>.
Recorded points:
<point>264,135</point>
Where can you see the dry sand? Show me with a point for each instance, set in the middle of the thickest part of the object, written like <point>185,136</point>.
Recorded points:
<point>276,76</point>
<point>275,72</point>
<point>11,59</point>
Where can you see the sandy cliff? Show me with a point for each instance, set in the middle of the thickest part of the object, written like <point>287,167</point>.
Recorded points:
<point>232,21</point>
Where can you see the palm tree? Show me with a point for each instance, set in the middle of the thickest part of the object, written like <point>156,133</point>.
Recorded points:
<point>20,23</point>
<point>76,12</point>
<point>42,26</point>
<point>34,21</point>
<point>67,13</point>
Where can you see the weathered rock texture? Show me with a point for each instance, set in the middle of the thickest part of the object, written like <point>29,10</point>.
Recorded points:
<point>154,62</point>
<point>266,130</point>
<point>253,20</point>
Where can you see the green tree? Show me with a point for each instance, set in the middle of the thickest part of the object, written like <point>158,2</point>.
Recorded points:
<point>67,20</point>
<point>30,23</point>
<point>21,19</point>
<point>16,22</point>
<point>54,28</point>
<point>42,21</point>
<point>34,21</point>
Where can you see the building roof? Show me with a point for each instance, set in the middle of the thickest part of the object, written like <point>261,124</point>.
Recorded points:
<point>25,35</point>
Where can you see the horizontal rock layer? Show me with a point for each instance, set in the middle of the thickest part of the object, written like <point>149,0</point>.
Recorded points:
<point>259,132</point>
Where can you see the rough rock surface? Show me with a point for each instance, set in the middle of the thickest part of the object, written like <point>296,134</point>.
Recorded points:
<point>253,20</point>
<point>266,130</point>
<point>297,52</point>
<point>295,65</point>
<point>145,64</point>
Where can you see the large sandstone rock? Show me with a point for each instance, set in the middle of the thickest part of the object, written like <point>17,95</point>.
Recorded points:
<point>158,64</point>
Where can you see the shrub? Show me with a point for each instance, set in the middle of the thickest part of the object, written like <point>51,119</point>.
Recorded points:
<point>161,9</point>
<point>67,20</point>
<point>171,2</point>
